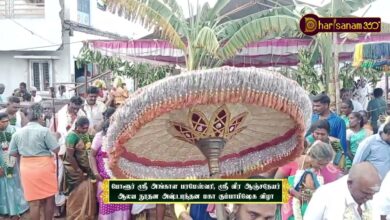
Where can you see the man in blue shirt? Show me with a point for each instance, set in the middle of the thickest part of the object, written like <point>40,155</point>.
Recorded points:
<point>376,150</point>
<point>337,125</point>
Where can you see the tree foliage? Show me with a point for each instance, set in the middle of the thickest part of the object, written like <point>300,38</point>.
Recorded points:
<point>143,73</point>
<point>348,74</point>
<point>206,38</point>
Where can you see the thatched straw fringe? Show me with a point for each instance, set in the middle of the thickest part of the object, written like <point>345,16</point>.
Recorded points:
<point>232,168</point>
<point>215,86</point>
<point>193,86</point>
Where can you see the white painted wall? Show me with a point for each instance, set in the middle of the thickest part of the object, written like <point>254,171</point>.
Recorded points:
<point>20,34</point>
<point>62,68</point>
<point>16,36</point>
<point>105,20</point>
<point>12,72</point>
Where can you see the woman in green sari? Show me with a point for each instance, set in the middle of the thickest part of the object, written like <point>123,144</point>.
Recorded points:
<point>79,178</point>
<point>355,134</point>
<point>12,202</point>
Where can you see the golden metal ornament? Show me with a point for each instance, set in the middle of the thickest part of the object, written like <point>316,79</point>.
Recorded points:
<point>285,189</point>
<point>105,194</point>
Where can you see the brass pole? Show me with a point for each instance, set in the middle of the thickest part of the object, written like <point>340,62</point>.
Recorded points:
<point>212,148</point>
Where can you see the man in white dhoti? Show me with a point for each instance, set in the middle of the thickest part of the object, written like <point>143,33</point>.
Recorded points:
<point>362,93</point>
<point>348,197</point>
<point>66,117</point>
<point>65,121</point>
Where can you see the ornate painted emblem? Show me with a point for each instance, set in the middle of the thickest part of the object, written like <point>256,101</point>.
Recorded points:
<point>220,125</point>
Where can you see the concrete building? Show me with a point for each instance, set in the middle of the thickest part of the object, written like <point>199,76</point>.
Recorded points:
<point>40,39</point>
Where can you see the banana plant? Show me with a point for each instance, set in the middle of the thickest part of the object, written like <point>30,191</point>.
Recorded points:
<point>208,37</point>
<point>325,46</point>
<point>308,77</point>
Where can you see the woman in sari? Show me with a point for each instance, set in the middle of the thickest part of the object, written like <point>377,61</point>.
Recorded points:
<point>320,132</point>
<point>355,134</point>
<point>98,159</point>
<point>12,202</point>
<point>304,175</point>
<point>35,145</point>
<point>79,178</point>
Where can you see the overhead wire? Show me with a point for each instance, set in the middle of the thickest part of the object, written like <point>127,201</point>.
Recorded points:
<point>46,46</point>
<point>25,28</point>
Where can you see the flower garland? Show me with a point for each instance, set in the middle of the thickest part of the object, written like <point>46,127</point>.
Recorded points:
<point>8,161</point>
<point>297,203</point>
<point>86,138</point>
<point>349,213</point>
<point>70,120</point>
<point>105,148</point>
<point>12,121</point>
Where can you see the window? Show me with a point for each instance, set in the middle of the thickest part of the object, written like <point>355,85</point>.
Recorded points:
<point>41,75</point>
<point>83,12</point>
<point>22,8</point>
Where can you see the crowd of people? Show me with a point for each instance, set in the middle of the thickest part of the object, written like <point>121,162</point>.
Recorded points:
<point>346,162</point>
<point>72,140</point>
<point>34,141</point>
<point>54,164</point>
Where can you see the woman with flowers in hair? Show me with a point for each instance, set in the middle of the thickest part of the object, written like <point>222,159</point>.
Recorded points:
<point>12,202</point>
<point>304,177</point>
<point>79,178</point>
<point>35,144</point>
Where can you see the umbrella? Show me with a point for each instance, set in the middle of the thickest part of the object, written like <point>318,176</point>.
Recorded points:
<point>233,122</point>
<point>372,55</point>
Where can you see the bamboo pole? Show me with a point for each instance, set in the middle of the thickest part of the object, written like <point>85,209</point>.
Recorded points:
<point>86,78</point>
<point>336,72</point>
<point>92,79</point>
<point>386,87</point>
